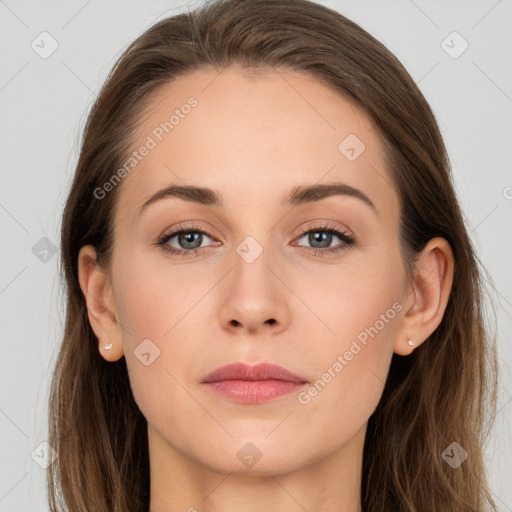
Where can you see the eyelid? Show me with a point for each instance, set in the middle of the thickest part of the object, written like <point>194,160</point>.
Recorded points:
<point>325,226</point>
<point>183,227</point>
<point>168,234</point>
<point>341,232</point>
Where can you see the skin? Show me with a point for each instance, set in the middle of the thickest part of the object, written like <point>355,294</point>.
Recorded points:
<point>253,138</point>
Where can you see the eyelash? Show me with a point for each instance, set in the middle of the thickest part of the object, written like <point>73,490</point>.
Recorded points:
<point>323,228</point>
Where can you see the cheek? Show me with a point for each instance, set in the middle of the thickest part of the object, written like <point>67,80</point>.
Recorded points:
<point>152,298</point>
<point>162,329</point>
<point>362,310</point>
<point>357,300</point>
<point>350,380</point>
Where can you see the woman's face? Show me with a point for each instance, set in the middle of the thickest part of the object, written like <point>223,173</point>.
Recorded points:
<point>269,280</point>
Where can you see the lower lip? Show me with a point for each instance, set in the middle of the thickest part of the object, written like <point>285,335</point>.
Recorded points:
<point>253,391</point>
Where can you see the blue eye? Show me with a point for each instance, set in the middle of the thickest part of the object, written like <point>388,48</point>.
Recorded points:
<point>190,239</point>
<point>323,237</point>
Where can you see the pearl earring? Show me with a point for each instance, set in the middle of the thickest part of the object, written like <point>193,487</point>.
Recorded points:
<point>411,343</point>
<point>108,346</point>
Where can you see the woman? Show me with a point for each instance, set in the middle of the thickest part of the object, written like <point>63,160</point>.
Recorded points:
<point>273,301</point>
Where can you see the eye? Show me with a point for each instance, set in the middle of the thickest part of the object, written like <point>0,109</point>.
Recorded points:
<point>321,237</point>
<point>189,239</point>
<point>183,241</point>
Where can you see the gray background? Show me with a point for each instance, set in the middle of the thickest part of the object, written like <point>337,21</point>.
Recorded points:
<point>43,106</point>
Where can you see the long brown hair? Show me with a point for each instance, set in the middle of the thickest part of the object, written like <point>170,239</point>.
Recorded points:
<point>444,392</point>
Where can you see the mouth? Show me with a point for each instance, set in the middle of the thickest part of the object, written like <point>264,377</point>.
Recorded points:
<point>253,384</point>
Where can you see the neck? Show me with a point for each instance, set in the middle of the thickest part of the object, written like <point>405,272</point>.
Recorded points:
<point>181,482</point>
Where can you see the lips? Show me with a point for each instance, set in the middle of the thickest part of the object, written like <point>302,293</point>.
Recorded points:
<point>259,372</point>
<point>245,384</point>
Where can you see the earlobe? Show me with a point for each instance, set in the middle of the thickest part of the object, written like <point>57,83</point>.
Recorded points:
<point>427,297</point>
<point>101,307</point>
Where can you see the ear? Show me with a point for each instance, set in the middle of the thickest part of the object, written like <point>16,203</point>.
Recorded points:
<point>427,296</point>
<point>101,307</point>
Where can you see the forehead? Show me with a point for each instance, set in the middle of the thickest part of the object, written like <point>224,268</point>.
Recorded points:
<point>253,136</point>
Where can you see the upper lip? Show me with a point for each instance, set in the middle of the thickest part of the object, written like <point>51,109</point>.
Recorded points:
<point>261,371</point>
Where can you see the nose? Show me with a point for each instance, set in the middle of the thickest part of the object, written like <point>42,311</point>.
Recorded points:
<point>254,299</point>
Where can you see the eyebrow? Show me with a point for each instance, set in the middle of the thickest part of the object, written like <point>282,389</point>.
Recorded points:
<point>298,196</point>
